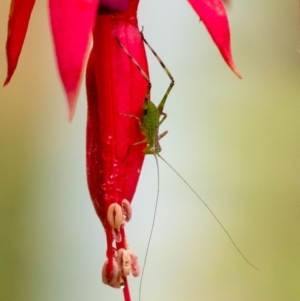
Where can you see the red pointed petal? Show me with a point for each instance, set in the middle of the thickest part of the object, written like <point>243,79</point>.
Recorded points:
<point>71,22</point>
<point>213,15</point>
<point>20,11</point>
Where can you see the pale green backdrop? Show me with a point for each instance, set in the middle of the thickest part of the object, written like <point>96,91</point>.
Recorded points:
<point>237,142</point>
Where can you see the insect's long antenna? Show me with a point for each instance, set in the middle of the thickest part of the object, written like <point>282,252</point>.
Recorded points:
<point>215,217</point>
<point>151,231</point>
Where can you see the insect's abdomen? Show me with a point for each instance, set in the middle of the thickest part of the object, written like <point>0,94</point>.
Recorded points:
<point>150,119</point>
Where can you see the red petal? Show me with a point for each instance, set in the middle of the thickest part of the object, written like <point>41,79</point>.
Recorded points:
<point>20,11</point>
<point>213,15</point>
<point>72,22</point>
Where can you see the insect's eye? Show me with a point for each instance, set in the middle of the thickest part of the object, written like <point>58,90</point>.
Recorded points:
<point>145,112</point>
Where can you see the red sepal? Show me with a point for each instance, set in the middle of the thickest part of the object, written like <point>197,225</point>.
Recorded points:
<point>72,22</point>
<point>214,17</point>
<point>19,16</point>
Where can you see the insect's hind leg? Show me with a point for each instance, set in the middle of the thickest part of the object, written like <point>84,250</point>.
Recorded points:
<point>147,97</point>
<point>136,64</point>
<point>163,101</point>
<point>164,117</point>
<point>159,60</point>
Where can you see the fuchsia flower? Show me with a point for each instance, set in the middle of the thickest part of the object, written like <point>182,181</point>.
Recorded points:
<point>115,89</point>
<point>72,22</point>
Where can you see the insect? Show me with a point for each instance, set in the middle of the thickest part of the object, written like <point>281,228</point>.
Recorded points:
<point>151,119</point>
<point>152,116</point>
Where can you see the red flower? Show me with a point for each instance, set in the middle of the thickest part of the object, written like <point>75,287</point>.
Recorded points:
<point>115,87</point>
<point>71,45</point>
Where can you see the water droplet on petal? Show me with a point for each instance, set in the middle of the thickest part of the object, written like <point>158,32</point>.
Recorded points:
<point>116,166</point>
<point>107,196</point>
<point>111,179</point>
<point>109,140</point>
<point>118,191</point>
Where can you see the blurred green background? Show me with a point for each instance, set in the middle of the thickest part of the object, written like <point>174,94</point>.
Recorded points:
<point>237,142</point>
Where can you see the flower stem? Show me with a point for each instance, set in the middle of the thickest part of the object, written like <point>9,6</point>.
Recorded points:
<point>126,291</point>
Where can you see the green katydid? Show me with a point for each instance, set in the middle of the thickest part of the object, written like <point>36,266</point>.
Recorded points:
<point>150,121</point>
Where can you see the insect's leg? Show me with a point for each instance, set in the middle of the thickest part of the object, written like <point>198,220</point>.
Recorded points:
<point>164,117</point>
<point>162,135</point>
<point>136,143</point>
<point>136,64</point>
<point>131,116</point>
<point>163,101</point>
<point>159,59</point>
<point>161,105</point>
<point>131,146</point>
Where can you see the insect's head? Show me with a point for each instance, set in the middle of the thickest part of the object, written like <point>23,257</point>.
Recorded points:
<point>145,108</point>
